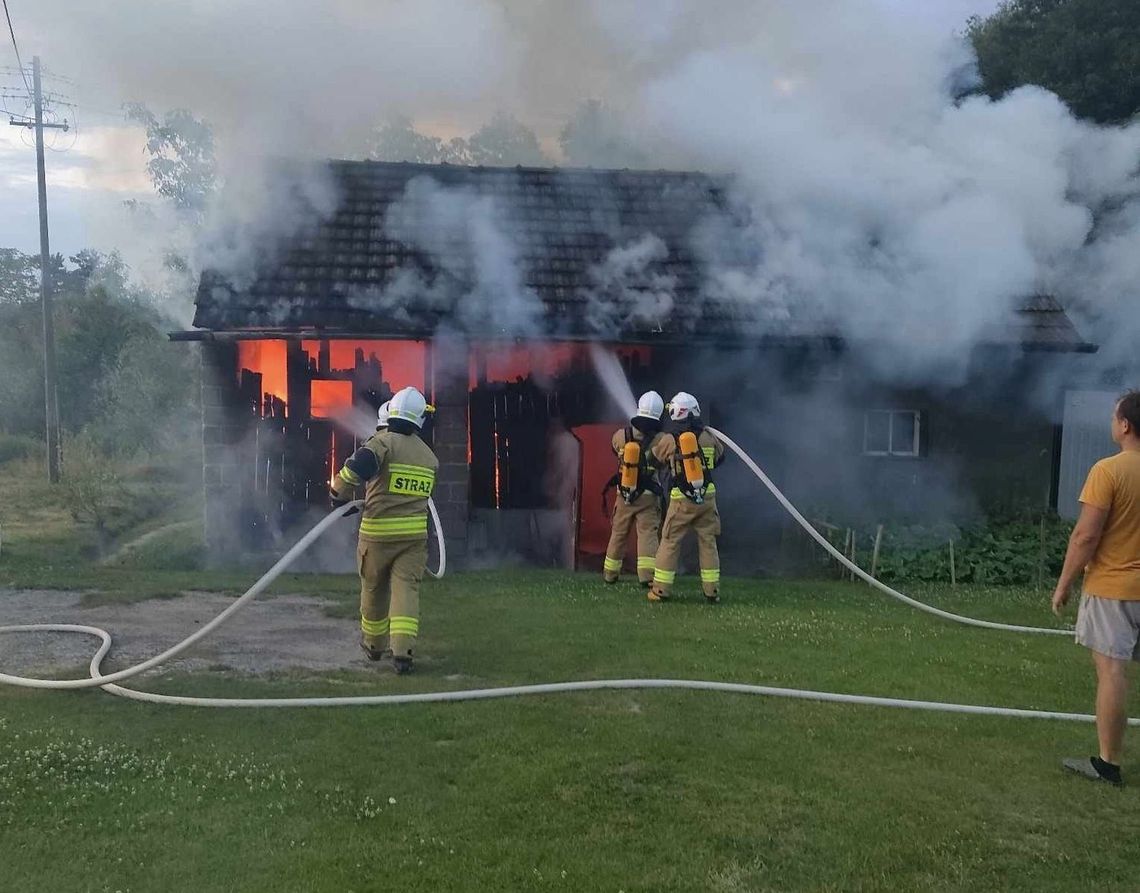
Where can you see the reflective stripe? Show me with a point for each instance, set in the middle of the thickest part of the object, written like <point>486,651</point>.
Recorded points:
<point>373,627</point>
<point>405,626</point>
<point>643,563</point>
<point>412,469</point>
<point>405,526</point>
<point>614,564</point>
<point>712,576</point>
<point>710,455</point>
<point>676,493</point>
<point>660,576</point>
<point>350,477</point>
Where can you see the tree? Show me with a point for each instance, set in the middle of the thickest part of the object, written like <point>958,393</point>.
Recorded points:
<point>595,137</point>
<point>181,148</point>
<point>398,140</point>
<point>21,335</point>
<point>100,318</point>
<point>1085,51</point>
<point>505,141</point>
<point>19,277</point>
<point>502,141</point>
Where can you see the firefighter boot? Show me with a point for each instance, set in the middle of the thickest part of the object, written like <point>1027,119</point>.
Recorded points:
<point>611,569</point>
<point>373,652</point>
<point>402,664</point>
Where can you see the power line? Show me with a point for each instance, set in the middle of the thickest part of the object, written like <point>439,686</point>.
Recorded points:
<point>74,134</point>
<point>16,47</point>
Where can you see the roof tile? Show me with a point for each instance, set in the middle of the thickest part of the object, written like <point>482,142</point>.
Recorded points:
<point>563,224</point>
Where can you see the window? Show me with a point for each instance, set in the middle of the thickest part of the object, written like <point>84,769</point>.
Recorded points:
<point>891,433</point>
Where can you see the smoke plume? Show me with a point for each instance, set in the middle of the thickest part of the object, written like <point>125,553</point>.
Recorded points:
<point>871,189</point>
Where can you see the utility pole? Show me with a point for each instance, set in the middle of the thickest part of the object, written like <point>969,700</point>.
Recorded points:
<point>51,396</point>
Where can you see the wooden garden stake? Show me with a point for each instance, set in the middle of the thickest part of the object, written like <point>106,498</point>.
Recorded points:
<point>875,551</point>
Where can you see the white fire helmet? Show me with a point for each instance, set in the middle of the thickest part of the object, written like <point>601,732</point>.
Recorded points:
<point>382,414</point>
<point>684,406</point>
<point>650,406</point>
<point>409,405</point>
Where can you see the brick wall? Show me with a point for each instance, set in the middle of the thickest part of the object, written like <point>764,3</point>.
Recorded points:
<point>452,492</point>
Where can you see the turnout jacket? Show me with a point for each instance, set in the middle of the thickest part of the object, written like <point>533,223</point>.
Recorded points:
<point>397,472</point>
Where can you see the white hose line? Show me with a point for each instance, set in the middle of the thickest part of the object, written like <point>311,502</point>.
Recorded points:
<point>106,682</point>
<point>438,574</point>
<point>257,588</point>
<point>551,688</point>
<point>862,574</point>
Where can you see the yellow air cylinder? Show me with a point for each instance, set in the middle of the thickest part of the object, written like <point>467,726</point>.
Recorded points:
<point>691,457</point>
<point>630,460</point>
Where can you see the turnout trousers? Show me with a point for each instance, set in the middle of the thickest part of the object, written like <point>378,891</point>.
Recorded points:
<point>390,576</point>
<point>645,515</point>
<point>704,520</point>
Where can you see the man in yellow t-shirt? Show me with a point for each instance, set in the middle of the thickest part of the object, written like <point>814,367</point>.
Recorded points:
<point>1106,544</point>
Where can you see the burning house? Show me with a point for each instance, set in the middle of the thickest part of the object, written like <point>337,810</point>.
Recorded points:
<point>487,288</point>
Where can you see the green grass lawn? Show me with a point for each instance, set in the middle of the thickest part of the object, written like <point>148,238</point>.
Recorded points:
<point>632,790</point>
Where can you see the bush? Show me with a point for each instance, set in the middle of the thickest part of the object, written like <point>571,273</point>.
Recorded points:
<point>105,491</point>
<point>17,446</point>
<point>998,552</point>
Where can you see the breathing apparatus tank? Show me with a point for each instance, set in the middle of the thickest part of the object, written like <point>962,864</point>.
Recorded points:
<point>691,460</point>
<point>630,468</point>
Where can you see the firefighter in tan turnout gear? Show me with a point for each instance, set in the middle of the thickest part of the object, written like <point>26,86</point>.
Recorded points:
<point>690,453</point>
<point>397,471</point>
<point>639,494</point>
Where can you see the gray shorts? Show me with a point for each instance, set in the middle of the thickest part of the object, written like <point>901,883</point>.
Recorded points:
<point>1109,626</point>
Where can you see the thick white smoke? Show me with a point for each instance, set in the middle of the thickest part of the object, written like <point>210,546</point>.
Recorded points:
<point>477,286</point>
<point>878,198</point>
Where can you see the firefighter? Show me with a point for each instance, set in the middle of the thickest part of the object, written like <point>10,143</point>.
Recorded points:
<point>382,415</point>
<point>690,453</point>
<point>397,471</point>
<point>639,493</point>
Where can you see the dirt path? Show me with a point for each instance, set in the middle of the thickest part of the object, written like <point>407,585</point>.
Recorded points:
<point>283,632</point>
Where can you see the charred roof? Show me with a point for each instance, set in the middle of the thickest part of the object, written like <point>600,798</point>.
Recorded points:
<point>614,255</point>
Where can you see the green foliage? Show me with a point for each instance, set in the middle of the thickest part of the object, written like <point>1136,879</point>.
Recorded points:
<point>93,486</point>
<point>398,140</point>
<point>19,277</point>
<point>146,402</point>
<point>505,141</point>
<point>502,141</point>
<point>112,495</point>
<point>19,446</point>
<point>1012,551</point>
<point>1085,51</point>
<point>117,373</point>
<point>181,148</point>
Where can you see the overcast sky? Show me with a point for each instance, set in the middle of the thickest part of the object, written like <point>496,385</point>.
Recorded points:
<point>93,169</point>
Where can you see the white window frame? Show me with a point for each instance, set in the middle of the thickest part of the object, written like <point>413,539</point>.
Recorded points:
<point>911,451</point>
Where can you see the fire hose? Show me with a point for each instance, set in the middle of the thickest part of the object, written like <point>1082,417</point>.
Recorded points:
<point>858,571</point>
<point>108,681</point>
